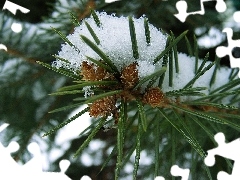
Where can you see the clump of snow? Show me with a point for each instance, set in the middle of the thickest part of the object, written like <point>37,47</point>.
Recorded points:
<point>87,91</point>
<point>186,73</point>
<point>115,42</point>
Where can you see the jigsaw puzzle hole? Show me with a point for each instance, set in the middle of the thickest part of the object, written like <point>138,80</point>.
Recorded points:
<point>236,52</point>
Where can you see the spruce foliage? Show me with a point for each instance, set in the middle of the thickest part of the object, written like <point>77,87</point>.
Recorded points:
<point>168,133</point>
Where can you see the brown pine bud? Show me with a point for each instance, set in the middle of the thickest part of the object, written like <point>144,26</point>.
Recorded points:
<point>154,97</point>
<point>103,107</point>
<point>129,76</point>
<point>92,73</point>
<point>102,74</point>
<point>88,71</point>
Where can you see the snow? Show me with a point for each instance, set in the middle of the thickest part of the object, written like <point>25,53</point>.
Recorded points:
<point>115,42</point>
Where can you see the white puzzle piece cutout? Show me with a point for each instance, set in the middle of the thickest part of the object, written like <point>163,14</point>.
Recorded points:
<point>11,170</point>
<point>182,9</point>
<point>177,171</point>
<point>222,51</point>
<point>236,16</point>
<point>3,47</point>
<point>227,150</point>
<point>12,7</point>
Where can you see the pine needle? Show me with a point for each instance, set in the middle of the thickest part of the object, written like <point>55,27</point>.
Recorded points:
<point>213,78</point>
<point>74,19</point>
<point>100,64</point>
<point>145,79</point>
<point>84,84</point>
<point>120,140</point>
<point>157,142</point>
<point>142,115</point>
<point>195,48</point>
<point>66,122</point>
<point>100,53</point>
<point>187,92</point>
<point>93,34</point>
<point>200,73</point>
<point>96,18</point>
<point>64,108</point>
<point>60,71</point>
<point>65,39</point>
<point>133,38</point>
<point>61,59</point>
<point>169,47</point>
<point>138,150</point>
<point>189,47</point>
<point>90,137</point>
<point>147,32</point>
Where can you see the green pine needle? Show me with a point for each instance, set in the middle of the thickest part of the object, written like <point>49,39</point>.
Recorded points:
<point>120,140</point>
<point>209,117</point>
<point>203,63</point>
<point>145,79</point>
<point>188,130</point>
<point>64,108</point>
<point>175,53</point>
<point>100,96</point>
<point>217,105</point>
<point>189,47</point>
<point>100,64</point>
<point>173,43</point>
<point>90,137</point>
<point>66,92</point>
<point>184,134</point>
<point>100,53</point>
<point>147,32</point>
<point>226,87</point>
<point>93,34</point>
<point>61,59</point>
<point>88,100</point>
<point>96,18</point>
<point>142,115</point>
<point>66,122</point>
<point>218,95</point>
<point>157,142</point>
<point>170,63</point>
<point>234,73</point>
<point>84,84</point>
<point>89,128</point>
<point>187,92</point>
<point>113,152</point>
<point>205,128</point>
<point>165,62</point>
<point>138,149</point>
<point>133,38</point>
<point>60,71</point>
<point>195,47</point>
<point>65,39</point>
<point>74,19</point>
<point>213,79</point>
<point>200,73</point>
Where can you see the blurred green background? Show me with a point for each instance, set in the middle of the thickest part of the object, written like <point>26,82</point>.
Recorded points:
<point>25,85</point>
